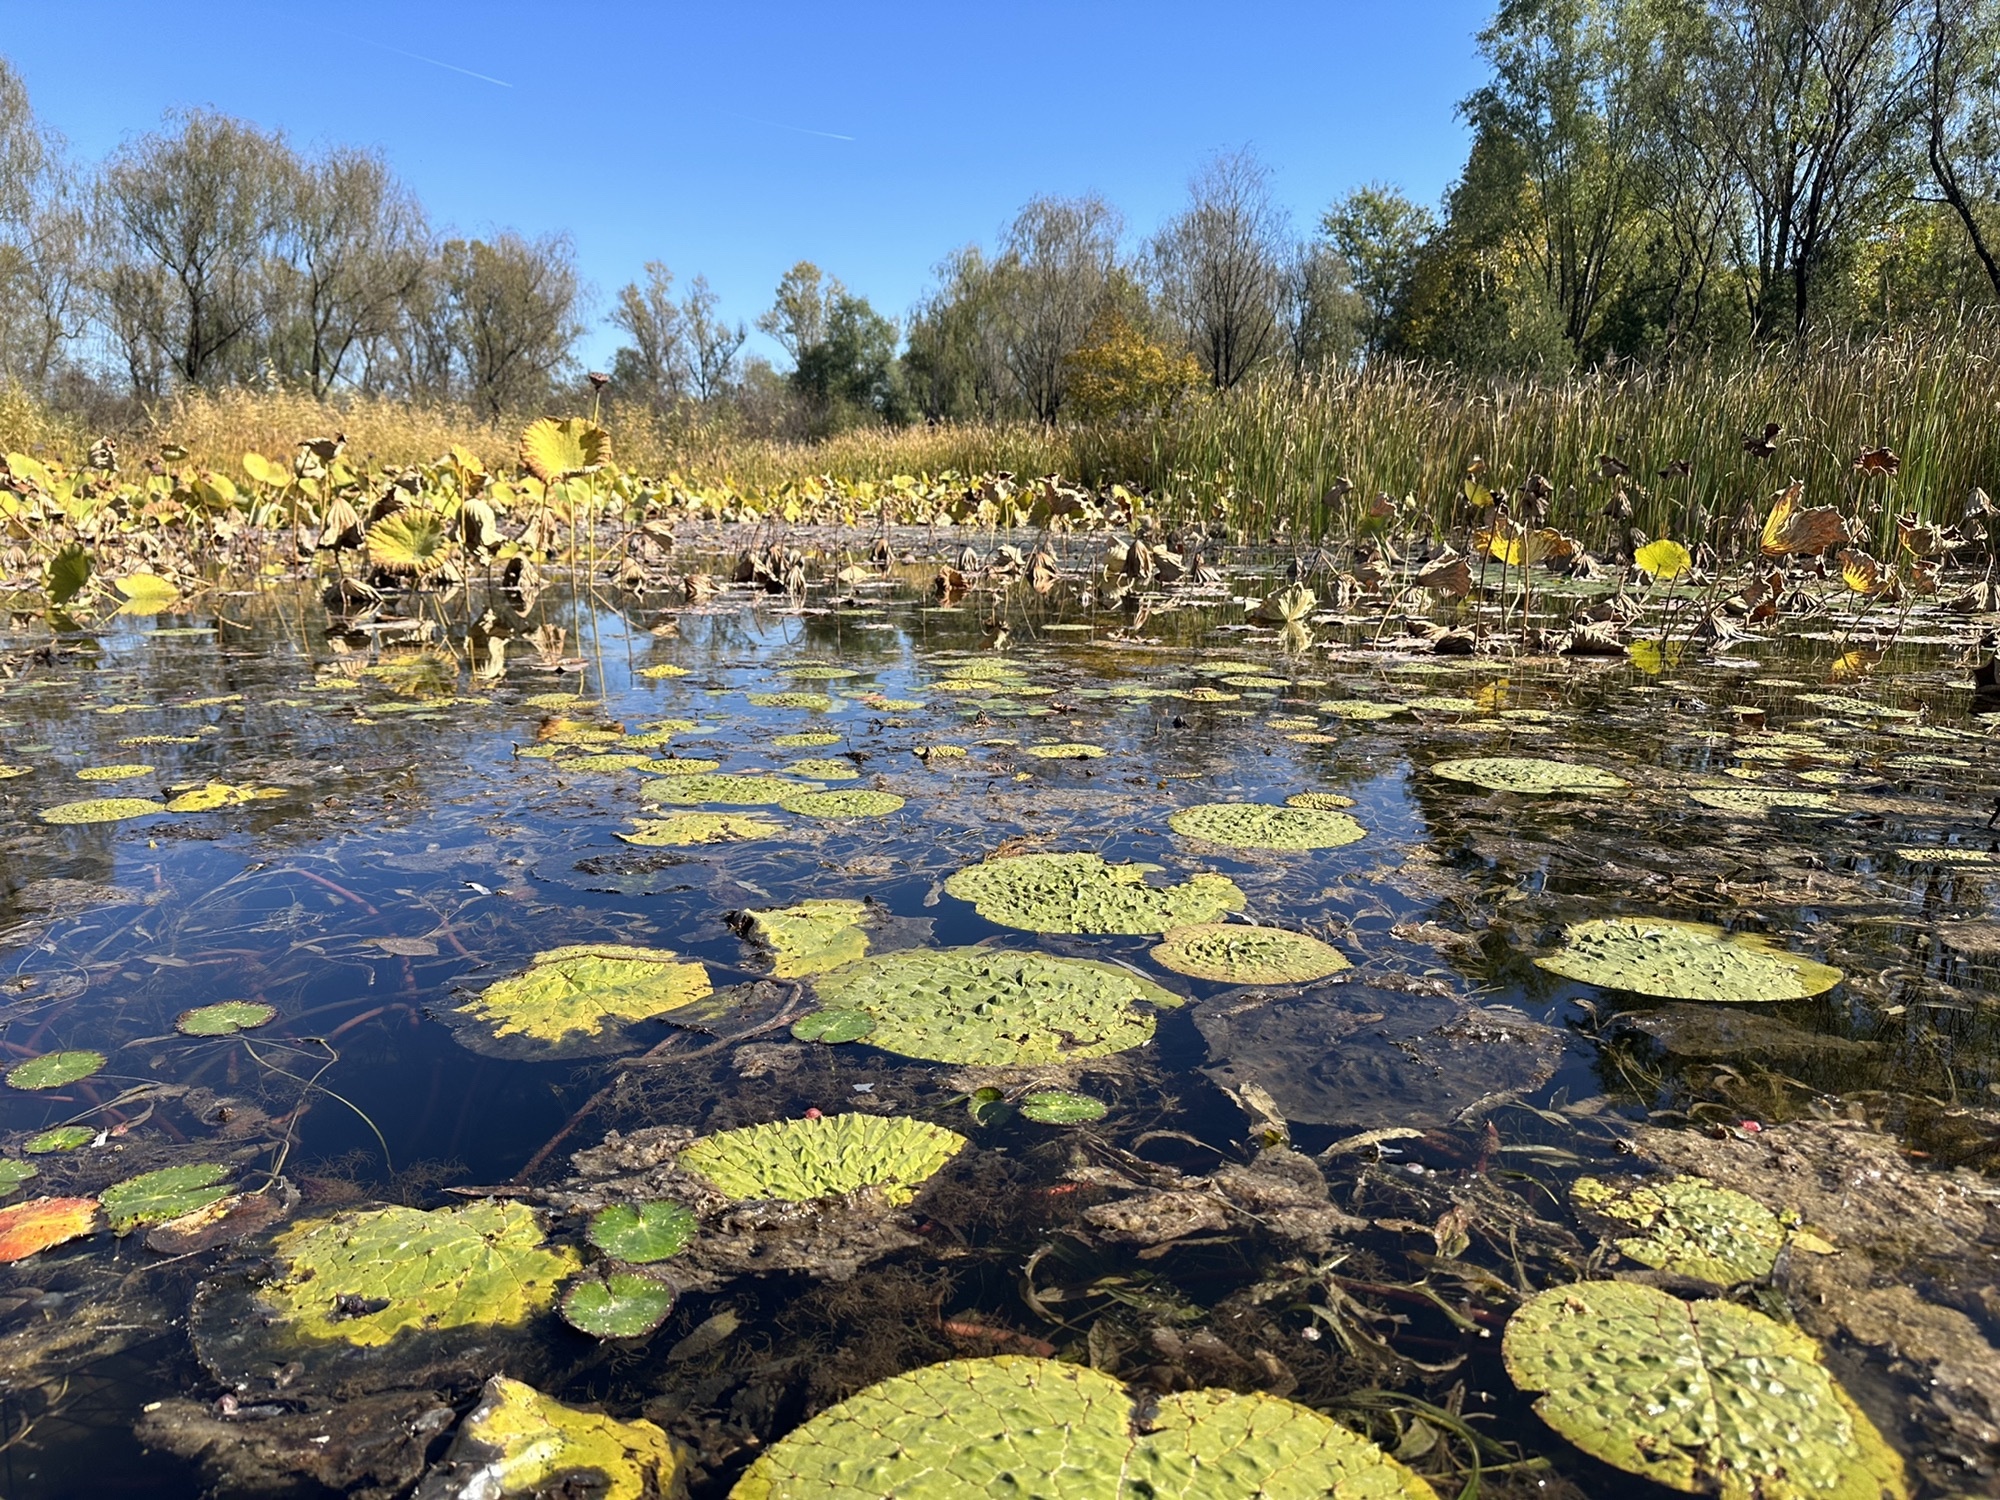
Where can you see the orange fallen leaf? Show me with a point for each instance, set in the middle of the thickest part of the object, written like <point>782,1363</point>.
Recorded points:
<point>38,1224</point>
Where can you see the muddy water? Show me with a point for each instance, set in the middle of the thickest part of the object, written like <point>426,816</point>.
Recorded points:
<point>412,842</point>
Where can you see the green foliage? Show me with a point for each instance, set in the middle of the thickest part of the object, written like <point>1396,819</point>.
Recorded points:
<point>842,804</point>
<point>1057,1107</point>
<point>54,1070</point>
<point>1685,961</point>
<point>165,1194</point>
<point>102,810</point>
<point>678,830</point>
<point>800,1160</point>
<point>1237,953</point>
<point>724,790</point>
<point>1508,773</point>
<point>1689,1226</point>
<point>1255,825</point>
<point>573,994</point>
<point>622,1305</point>
<point>642,1233</point>
<point>1081,893</point>
<point>225,1018</point>
<point>811,937</point>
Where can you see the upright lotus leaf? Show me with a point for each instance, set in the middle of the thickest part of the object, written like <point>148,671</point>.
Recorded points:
<point>146,594</point>
<point>796,1161</point>
<point>1689,1226</point>
<point>622,1305</point>
<point>224,1018</point>
<point>364,1276</point>
<point>810,938</point>
<point>1235,953</point>
<point>847,804</point>
<point>102,810</point>
<point>155,1197</point>
<point>1081,893</point>
<point>1518,773</point>
<point>1256,825</point>
<point>1663,560</point>
<point>680,830</point>
<point>1011,1425</point>
<point>52,1070</point>
<point>415,543</point>
<point>1705,1397</point>
<point>43,1223</point>
<point>571,995</point>
<point>994,1007</point>
<point>1685,961</point>
<point>641,1233</point>
<point>554,450</point>
<point>521,1445</point>
<point>725,790</point>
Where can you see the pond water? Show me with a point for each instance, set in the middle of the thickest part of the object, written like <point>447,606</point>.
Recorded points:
<point>1332,1188</point>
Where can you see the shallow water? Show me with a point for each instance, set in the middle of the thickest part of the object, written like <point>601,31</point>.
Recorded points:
<point>411,855</point>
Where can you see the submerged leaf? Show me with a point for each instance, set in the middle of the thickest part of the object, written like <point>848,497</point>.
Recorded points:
<point>521,1445</point>
<point>62,1138</point>
<point>1685,961</point>
<point>800,1160</point>
<point>1081,893</point>
<point>1059,1107</point>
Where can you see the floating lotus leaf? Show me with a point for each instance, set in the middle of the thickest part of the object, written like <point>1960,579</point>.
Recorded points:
<point>677,765</point>
<point>1235,953</point>
<point>521,1445</point>
<point>641,1232</point>
<point>225,1018</point>
<point>678,830</point>
<point>994,1006</point>
<point>662,669</point>
<point>813,673</point>
<point>624,1305</point>
<point>166,1194</point>
<point>54,1069</point>
<point>1081,893</point>
<point>818,702</point>
<point>1944,855</point>
<point>102,810</point>
<point>62,1138</point>
<point>14,1173</point>
<point>364,1276</point>
<point>799,1160</point>
<point>1705,1397</point>
<point>1752,799</point>
<point>113,773</point>
<point>1360,709</point>
<point>1310,738</point>
<point>1059,1107</point>
<point>8,773</point>
<point>810,938</point>
<point>833,1025</point>
<point>1257,825</point>
<point>1838,703</point>
<point>1210,695</point>
<point>1011,1425</point>
<point>1067,752</point>
<point>43,1223</point>
<point>850,804</point>
<point>1444,704</point>
<point>412,542</point>
<point>1518,773</point>
<point>811,739</point>
<point>1319,801</point>
<point>557,449</point>
<point>610,762</point>
<point>1691,1226</point>
<point>824,770</point>
<point>220,794</point>
<point>726,790</point>
<point>572,994</point>
<point>1685,961</point>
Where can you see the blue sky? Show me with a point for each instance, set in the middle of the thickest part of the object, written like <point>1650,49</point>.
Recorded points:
<point>735,139</point>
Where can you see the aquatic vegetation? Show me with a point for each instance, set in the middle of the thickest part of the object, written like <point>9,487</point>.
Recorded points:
<point>1236,953</point>
<point>1067,752</point>
<point>166,1194</point>
<point>660,670</point>
<point>521,1443</point>
<point>219,794</point>
<point>224,1018</point>
<point>114,773</point>
<point>13,1173</point>
<point>1705,1397</point>
<point>800,1160</point>
<point>43,1223</point>
<point>673,765</point>
<point>102,810</point>
<point>621,1305</point>
<point>1690,1227</point>
<point>1321,801</point>
<point>1081,893</point>
<point>824,770</point>
<point>990,1006</point>
<point>810,739</point>
<point>61,1138</point>
<point>679,830</point>
<point>1256,825</point>
<point>1526,774</point>
<point>573,994</point>
<point>1685,961</point>
<point>1011,1424</point>
<point>1754,800</point>
<point>809,938</point>
<point>817,702</point>
<point>843,804</point>
<point>1058,1107</point>
<point>642,1233</point>
<point>554,449</point>
<point>54,1070</point>
<point>728,789</point>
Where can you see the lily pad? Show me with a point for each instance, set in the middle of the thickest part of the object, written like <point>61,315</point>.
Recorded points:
<point>218,794</point>
<point>225,1018</point>
<point>1236,953</point>
<point>54,1069</point>
<point>1011,1425</point>
<point>1362,710</point>
<point>8,773</point>
<point>852,804</point>
<point>62,1138</point>
<point>824,770</point>
<point>725,790</point>
<point>154,1197</point>
<point>1059,1107</point>
<point>1067,752</point>
<point>796,1161</point>
<point>818,702</point>
<point>623,1305</point>
<point>1081,893</point>
<point>364,1276</point>
<point>662,669</point>
<point>113,773</point>
<point>833,1026</point>
<point>995,1007</point>
<point>1690,1226</point>
<point>102,810</point>
<point>1256,825</point>
<point>578,997</point>
<point>680,830</point>
<point>519,1443</point>
<point>1704,1397</point>
<point>42,1224</point>
<point>809,938</point>
<point>670,765</point>
<point>1685,961</point>
<point>641,1233</point>
<point>1754,799</point>
<point>811,739</point>
<point>1319,801</point>
<point>13,1173</point>
<point>1517,773</point>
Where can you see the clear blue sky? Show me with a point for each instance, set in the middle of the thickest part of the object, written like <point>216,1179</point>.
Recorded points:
<point>735,139</point>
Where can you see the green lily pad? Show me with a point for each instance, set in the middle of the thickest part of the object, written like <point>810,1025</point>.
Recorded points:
<point>54,1069</point>
<point>818,702</point>
<point>809,938</point>
<point>675,765</point>
<point>1443,704</point>
<point>612,762</point>
<point>1236,953</point>
<point>62,1138</point>
<point>113,773</point>
<point>364,1276</point>
<point>13,1173</point>
<point>1256,825</point>
<point>1704,1397</point>
<point>1320,801</point>
<point>168,1193</point>
<point>994,1006</point>
<point>811,739</point>
<point>1519,773</point>
<point>519,1444</point>
<point>1755,799</point>
<point>796,1161</point>
<point>1067,752</point>
<point>662,669</point>
<point>680,830</point>
<point>576,996</point>
<point>1685,961</point>
<point>1362,710</point>
<point>225,1018</point>
<point>1059,1107</point>
<point>623,1305</point>
<point>725,790</point>
<point>218,794</point>
<point>812,672</point>
<point>833,1025</point>
<point>1011,1425</point>
<point>1081,893</point>
<point>851,804</point>
<point>1691,1226</point>
<point>824,770</point>
<point>101,810</point>
<point>642,1233</point>
<point>1857,708</point>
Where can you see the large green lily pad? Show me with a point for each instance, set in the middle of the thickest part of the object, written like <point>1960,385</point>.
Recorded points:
<point>1037,1427</point>
<point>155,1197</point>
<point>519,1443</point>
<point>843,804</point>
<point>364,1276</point>
<point>102,810</point>
<point>725,789</point>
<point>622,1305</point>
<point>577,999</point>
<point>1081,893</point>
<point>1689,1226</point>
<point>1522,773</point>
<point>1236,953</point>
<point>54,1070</point>
<point>642,1233</point>
<point>1685,961</point>
<point>797,1161</point>
<point>1257,825</point>
<point>809,938</point>
<point>993,1006</point>
<point>679,830</point>
<point>1705,1397</point>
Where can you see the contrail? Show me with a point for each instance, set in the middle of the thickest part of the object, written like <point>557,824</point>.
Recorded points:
<point>781,125</point>
<point>434,62</point>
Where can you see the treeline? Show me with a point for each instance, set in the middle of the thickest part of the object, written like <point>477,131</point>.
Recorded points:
<point>1647,180</point>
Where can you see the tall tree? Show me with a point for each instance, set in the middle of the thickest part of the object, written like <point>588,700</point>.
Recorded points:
<point>654,365</point>
<point>513,306</point>
<point>1961,92</point>
<point>1058,269</point>
<point>1218,266</point>
<point>797,317</point>
<point>1379,233</point>
<point>957,353</point>
<point>713,343</point>
<point>43,241</point>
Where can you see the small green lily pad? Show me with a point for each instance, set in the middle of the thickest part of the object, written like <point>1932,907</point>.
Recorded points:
<point>224,1018</point>
<point>824,770</point>
<point>1689,1226</point>
<point>1237,953</point>
<point>62,1138</point>
<point>818,702</point>
<point>642,1233</point>
<point>811,937</point>
<point>1256,825</point>
<point>154,1197</point>
<point>623,1305</point>
<point>833,1025</point>
<point>114,773</point>
<point>811,739</point>
<point>723,790</point>
<point>13,1173</point>
<point>1058,1107</point>
<point>54,1069</point>
<point>681,830</point>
